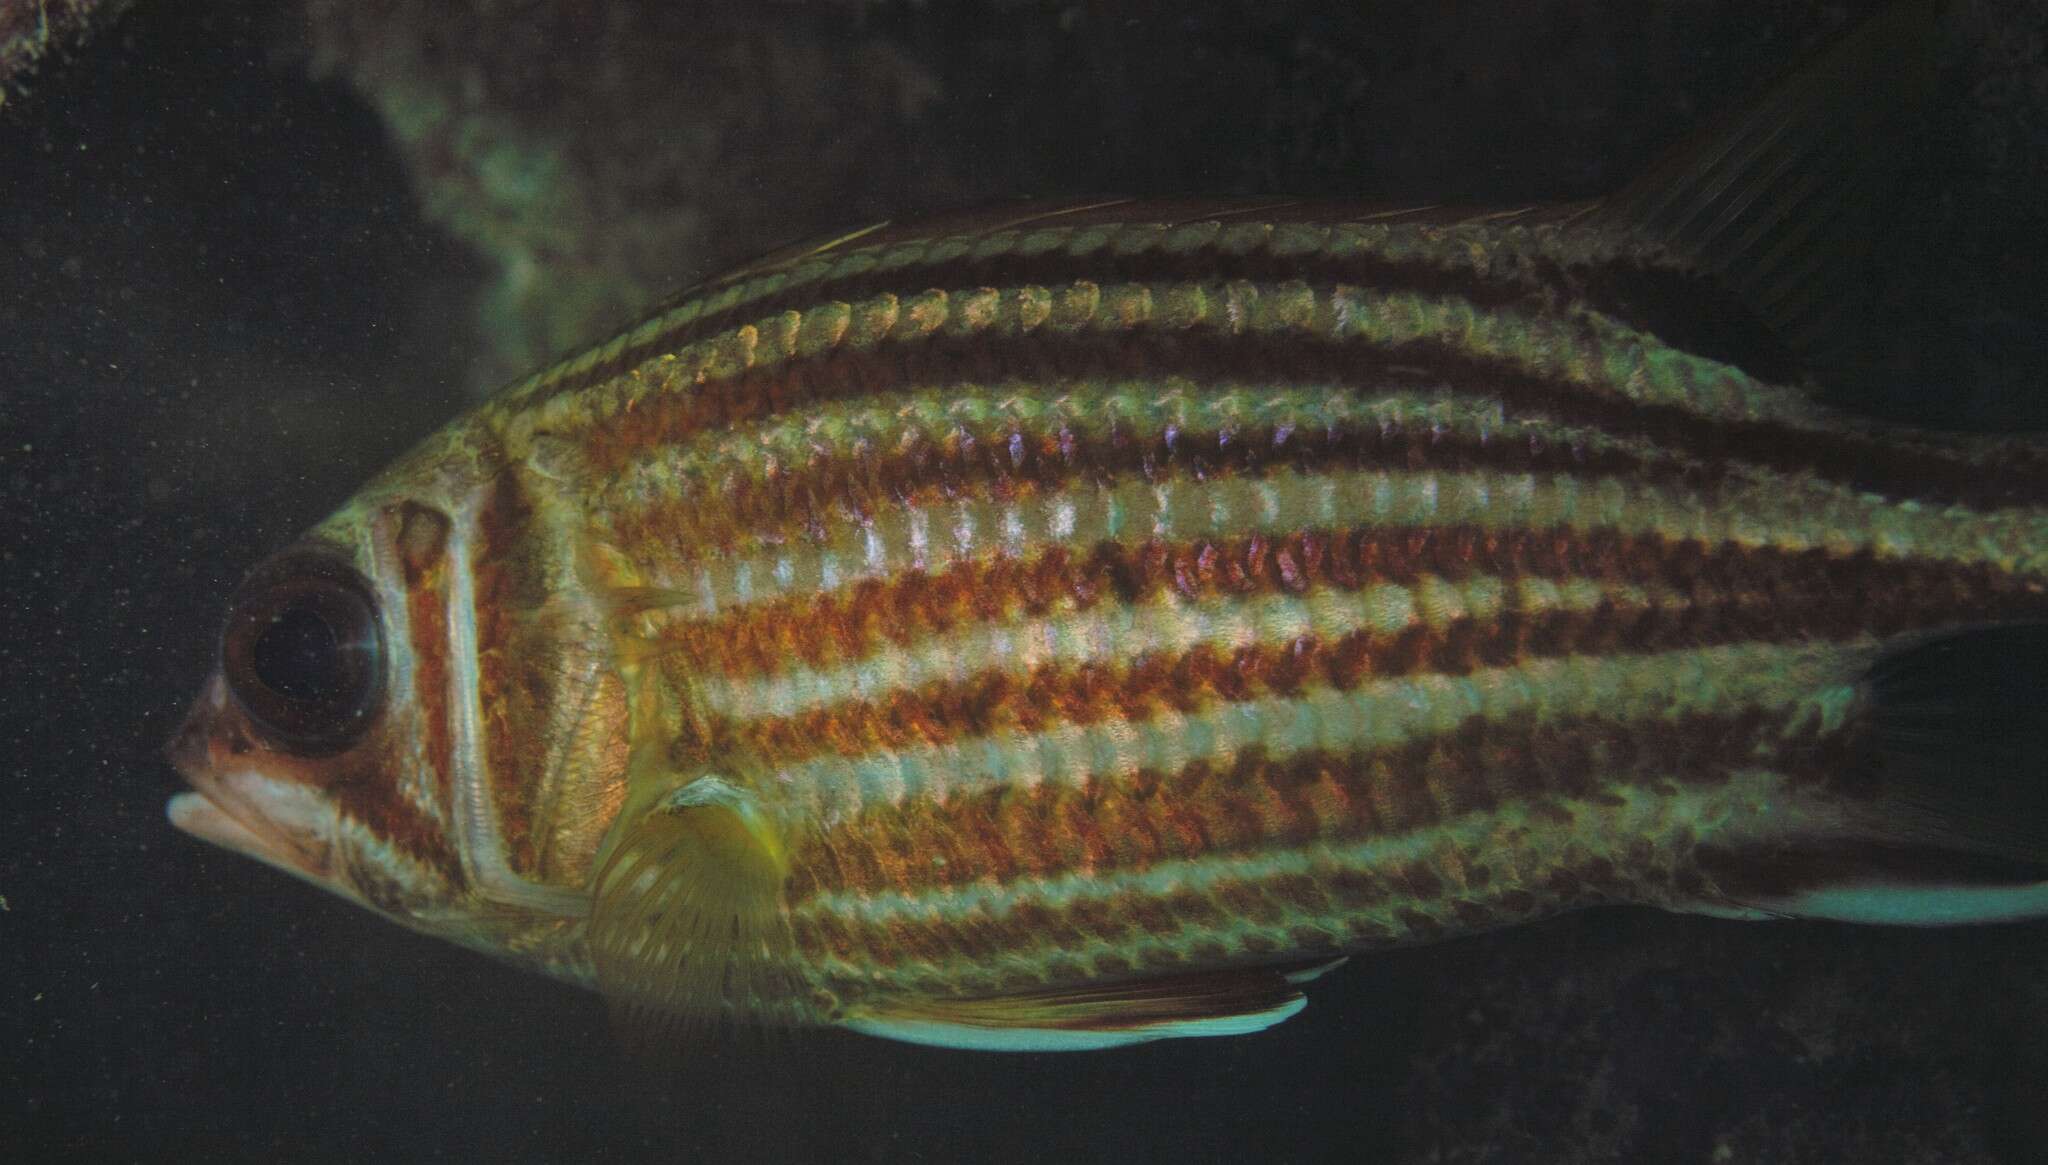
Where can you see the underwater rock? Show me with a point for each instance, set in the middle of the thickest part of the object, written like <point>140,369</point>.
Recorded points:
<point>603,155</point>
<point>31,30</point>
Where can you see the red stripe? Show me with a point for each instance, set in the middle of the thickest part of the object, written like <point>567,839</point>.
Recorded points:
<point>1550,766</point>
<point>1009,463</point>
<point>1828,595</point>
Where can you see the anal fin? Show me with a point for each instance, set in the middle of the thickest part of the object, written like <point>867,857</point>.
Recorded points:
<point>1920,904</point>
<point>1874,882</point>
<point>1941,814</point>
<point>1096,1016</point>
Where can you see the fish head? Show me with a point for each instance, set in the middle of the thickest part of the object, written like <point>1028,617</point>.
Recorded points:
<point>297,749</point>
<point>321,744</point>
<point>410,709</point>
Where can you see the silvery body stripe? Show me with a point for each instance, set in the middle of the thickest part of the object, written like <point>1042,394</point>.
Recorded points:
<point>1658,822</point>
<point>416,778</point>
<point>1641,812</point>
<point>1346,313</point>
<point>477,835</point>
<point>1121,632</point>
<point>1785,513</point>
<point>704,466</point>
<point>1384,712</point>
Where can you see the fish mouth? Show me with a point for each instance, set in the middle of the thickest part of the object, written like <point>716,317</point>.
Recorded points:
<point>280,825</point>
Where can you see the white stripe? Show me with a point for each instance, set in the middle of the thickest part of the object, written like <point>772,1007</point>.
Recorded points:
<point>1520,858</point>
<point>475,822</point>
<point>1377,714</point>
<point>1790,514</point>
<point>1450,247</point>
<point>415,783</point>
<point>1748,804</point>
<point>1113,632</point>
<point>1596,354</point>
<point>701,468</point>
<point>478,839</point>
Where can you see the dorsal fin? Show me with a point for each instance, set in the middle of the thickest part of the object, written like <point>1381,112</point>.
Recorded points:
<point>1783,198</point>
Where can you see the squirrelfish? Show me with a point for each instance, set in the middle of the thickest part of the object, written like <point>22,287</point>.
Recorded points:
<point>1073,625</point>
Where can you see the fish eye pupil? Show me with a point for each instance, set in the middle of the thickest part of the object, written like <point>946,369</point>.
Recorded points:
<point>302,653</point>
<point>298,656</point>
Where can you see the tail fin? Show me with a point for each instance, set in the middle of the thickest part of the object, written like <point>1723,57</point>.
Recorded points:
<point>1946,795</point>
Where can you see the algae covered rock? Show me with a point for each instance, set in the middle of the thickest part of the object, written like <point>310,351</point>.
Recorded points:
<point>31,30</point>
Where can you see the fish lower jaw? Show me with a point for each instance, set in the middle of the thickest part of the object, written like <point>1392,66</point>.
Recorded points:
<point>260,819</point>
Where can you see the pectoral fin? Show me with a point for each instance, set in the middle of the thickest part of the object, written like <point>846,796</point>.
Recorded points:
<point>687,922</point>
<point>1086,1018</point>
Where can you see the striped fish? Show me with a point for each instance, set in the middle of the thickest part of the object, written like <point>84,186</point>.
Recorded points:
<point>1072,625</point>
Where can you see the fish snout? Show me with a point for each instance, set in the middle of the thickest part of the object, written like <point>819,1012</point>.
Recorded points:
<point>190,747</point>
<point>186,748</point>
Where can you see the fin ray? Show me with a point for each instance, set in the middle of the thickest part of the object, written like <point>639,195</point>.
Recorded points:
<point>1096,1016</point>
<point>687,922</point>
<point>1774,199</point>
<point>1942,816</point>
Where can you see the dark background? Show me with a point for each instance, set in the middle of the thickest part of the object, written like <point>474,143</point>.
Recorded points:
<point>236,277</point>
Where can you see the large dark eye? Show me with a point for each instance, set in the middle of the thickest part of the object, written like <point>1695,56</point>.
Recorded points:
<point>302,652</point>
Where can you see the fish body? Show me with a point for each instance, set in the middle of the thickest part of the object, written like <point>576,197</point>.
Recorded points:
<point>1076,624</point>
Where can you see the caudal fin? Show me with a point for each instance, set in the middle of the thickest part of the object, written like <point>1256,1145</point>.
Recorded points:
<point>1945,800</point>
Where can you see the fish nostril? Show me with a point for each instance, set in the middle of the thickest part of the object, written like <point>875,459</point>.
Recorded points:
<point>186,749</point>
